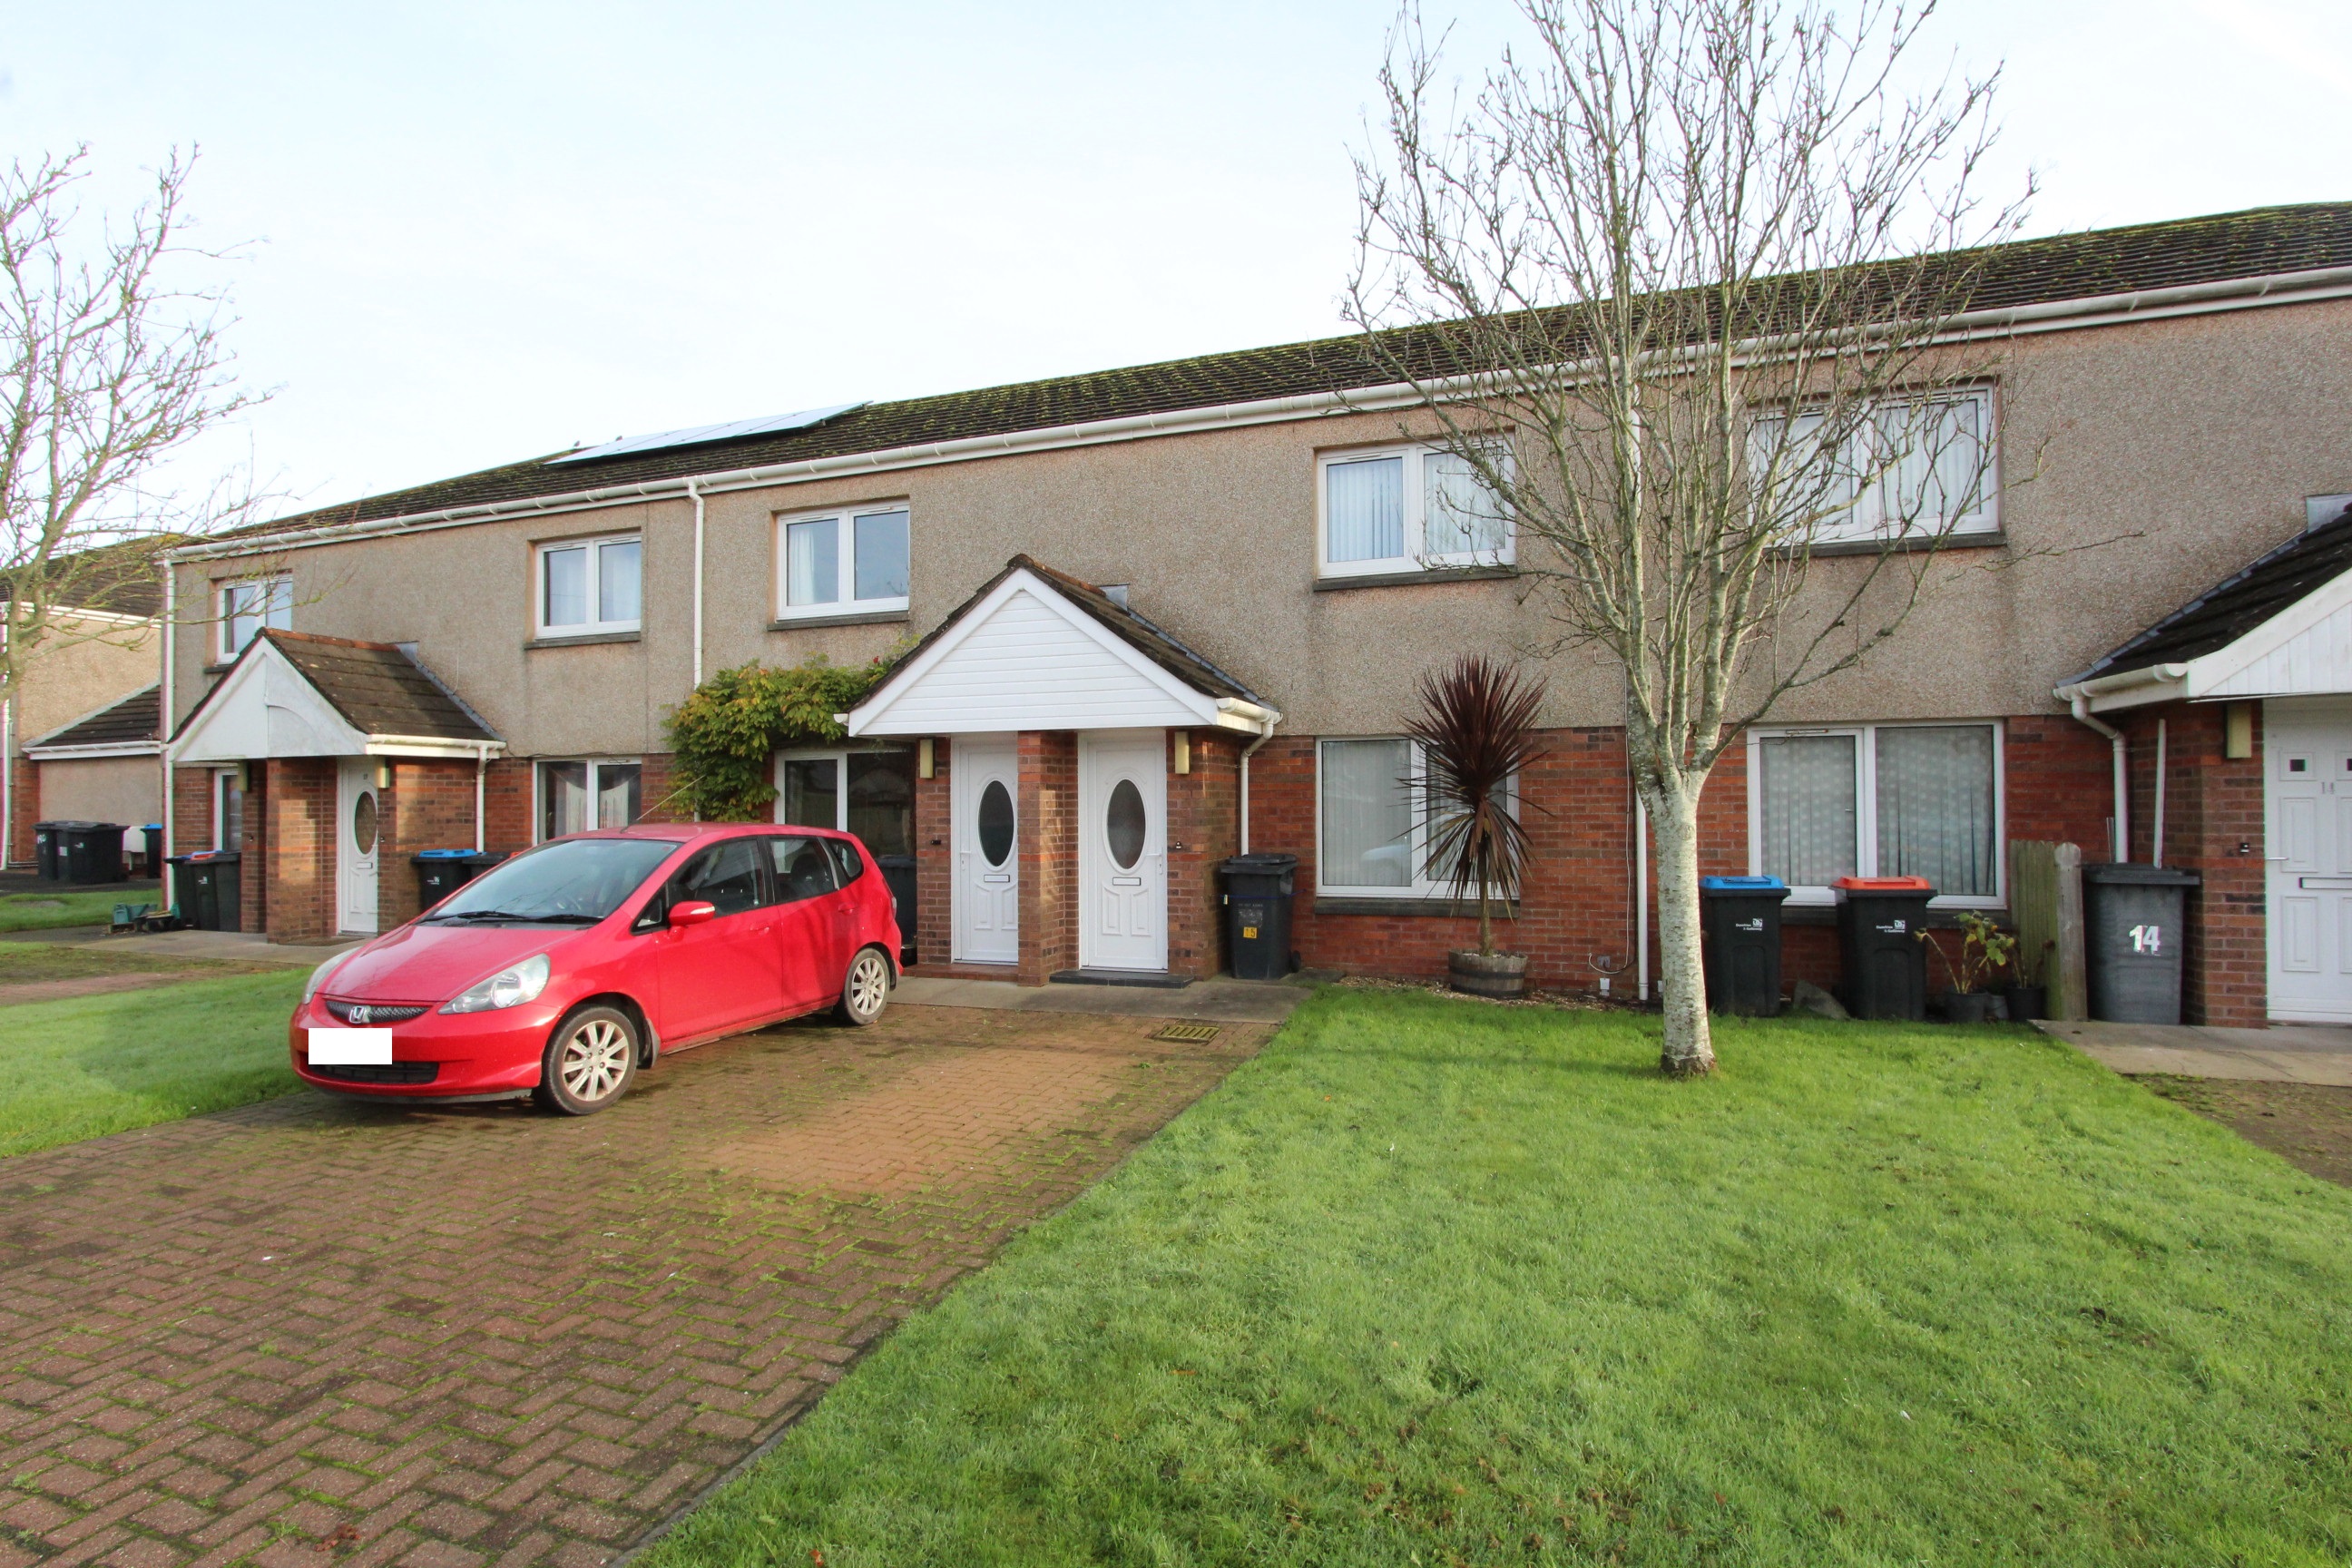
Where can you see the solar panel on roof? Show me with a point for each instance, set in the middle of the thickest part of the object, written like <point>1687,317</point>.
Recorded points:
<point>695,435</point>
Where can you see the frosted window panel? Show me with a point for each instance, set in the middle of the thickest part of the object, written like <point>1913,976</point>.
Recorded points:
<point>620,577</point>
<point>1367,813</point>
<point>1462,516</point>
<point>564,804</point>
<point>1364,510</point>
<point>1935,468</point>
<point>1935,807</point>
<point>567,587</point>
<point>617,797</point>
<point>881,562</point>
<point>1809,827</point>
<point>813,562</point>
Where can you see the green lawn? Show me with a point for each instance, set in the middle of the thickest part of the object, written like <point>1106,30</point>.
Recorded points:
<point>66,906</point>
<point>77,1068</point>
<point>1430,1282</point>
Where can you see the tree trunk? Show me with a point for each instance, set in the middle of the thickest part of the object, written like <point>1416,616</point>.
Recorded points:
<point>1689,1049</point>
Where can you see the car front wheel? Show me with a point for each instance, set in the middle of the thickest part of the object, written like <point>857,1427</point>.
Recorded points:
<point>865,989</point>
<point>590,1061</point>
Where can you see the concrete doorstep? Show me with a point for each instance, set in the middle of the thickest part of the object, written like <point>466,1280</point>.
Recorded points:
<point>2289,1052</point>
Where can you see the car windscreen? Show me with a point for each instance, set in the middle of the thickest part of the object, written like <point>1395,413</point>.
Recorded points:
<point>574,881</point>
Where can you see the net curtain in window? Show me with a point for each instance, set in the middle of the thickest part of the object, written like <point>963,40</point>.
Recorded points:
<point>1935,807</point>
<point>1810,821</point>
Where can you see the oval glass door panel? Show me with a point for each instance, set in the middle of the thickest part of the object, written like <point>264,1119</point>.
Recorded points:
<point>363,821</point>
<point>1123,823</point>
<point>996,822</point>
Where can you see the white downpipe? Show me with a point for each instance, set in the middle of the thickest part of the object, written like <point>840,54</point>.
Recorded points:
<point>481,765</point>
<point>1247,751</point>
<point>8,774</point>
<point>2156,829</point>
<point>165,725</point>
<point>694,493</point>
<point>1641,900</point>
<point>2083,715</point>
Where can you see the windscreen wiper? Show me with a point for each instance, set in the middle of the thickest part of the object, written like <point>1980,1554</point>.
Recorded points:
<point>516,916</point>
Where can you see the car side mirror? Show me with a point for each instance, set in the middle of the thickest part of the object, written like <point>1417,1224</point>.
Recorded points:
<point>692,913</point>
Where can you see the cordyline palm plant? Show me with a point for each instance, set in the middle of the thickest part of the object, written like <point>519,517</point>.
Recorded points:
<point>1476,730</point>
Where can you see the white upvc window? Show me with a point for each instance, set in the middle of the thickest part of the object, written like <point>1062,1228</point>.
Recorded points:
<point>591,586</point>
<point>1879,800</point>
<point>850,562</point>
<point>1374,816</point>
<point>1405,508</point>
<point>1911,467</point>
<point>578,797</point>
<point>247,608</point>
<point>868,791</point>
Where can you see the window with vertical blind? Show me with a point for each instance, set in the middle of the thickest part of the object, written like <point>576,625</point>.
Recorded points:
<point>1878,800</point>
<point>1375,816</point>
<point>1401,509</point>
<point>1912,466</point>
<point>580,796</point>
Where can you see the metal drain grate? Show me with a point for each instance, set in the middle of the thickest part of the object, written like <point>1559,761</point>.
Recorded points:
<point>1188,1033</point>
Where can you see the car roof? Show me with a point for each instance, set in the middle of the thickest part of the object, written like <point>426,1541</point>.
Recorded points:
<point>694,832</point>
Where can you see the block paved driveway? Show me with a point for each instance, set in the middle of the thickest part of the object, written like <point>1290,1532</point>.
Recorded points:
<point>309,1333</point>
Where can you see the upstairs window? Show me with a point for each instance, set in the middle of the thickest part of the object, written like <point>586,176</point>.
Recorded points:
<point>1878,800</point>
<point>247,608</point>
<point>845,562</point>
<point>591,586</point>
<point>1912,467</point>
<point>1407,509</point>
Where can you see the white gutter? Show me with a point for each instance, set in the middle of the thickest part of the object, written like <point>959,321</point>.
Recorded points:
<point>694,493</point>
<point>2109,310</point>
<point>165,718</point>
<point>2079,699</point>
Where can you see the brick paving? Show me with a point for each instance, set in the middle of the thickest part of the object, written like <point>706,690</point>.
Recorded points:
<point>306,1332</point>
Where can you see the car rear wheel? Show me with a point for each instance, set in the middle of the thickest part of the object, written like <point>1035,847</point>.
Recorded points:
<point>865,989</point>
<point>591,1059</point>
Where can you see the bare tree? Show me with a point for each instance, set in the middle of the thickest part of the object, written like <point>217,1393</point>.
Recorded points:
<point>110,367</point>
<point>1679,284</point>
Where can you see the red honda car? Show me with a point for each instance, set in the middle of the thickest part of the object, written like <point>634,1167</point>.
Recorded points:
<point>564,971</point>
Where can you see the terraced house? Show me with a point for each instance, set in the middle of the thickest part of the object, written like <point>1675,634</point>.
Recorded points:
<point>1161,614</point>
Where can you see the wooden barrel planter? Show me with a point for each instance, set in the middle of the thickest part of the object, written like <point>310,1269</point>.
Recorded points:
<point>1503,975</point>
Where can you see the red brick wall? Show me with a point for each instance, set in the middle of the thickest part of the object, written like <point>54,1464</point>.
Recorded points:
<point>507,822</point>
<point>934,933</point>
<point>298,848</point>
<point>23,809</point>
<point>1204,819</point>
<point>253,871</point>
<point>2213,826</point>
<point>430,806</point>
<point>1048,807</point>
<point>656,784</point>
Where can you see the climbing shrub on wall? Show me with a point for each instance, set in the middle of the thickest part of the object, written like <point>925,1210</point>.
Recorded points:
<point>727,730</point>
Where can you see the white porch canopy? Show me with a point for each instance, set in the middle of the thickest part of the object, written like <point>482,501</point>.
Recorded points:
<point>1036,650</point>
<point>266,706</point>
<point>2304,650</point>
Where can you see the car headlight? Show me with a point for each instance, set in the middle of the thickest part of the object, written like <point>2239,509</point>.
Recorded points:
<point>509,987</point>
<point>319,975</point>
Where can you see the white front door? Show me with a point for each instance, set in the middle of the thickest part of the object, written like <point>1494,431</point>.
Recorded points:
<point>1123,849</point>
<point>984,787</point>
<point>2307,798</point>
<point>356,830</point>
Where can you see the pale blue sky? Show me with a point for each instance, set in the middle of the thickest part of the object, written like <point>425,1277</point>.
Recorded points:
<point>489,230</point>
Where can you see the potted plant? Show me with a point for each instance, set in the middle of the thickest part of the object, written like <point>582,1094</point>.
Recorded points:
<point>2029,994</point>
<point>1476,730</point>
<point>1984,947</point>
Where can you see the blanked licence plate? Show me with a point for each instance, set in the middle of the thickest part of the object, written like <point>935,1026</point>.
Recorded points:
<point>351,1048</point>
